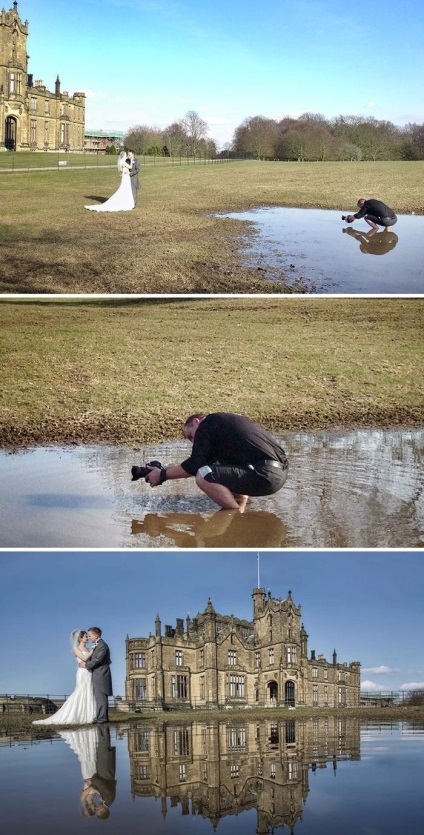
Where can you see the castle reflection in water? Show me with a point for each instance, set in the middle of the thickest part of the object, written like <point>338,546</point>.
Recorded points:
<point>220,768</point>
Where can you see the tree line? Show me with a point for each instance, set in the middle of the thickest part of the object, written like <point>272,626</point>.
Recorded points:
<point>313,137</point>
<point>310,137</point>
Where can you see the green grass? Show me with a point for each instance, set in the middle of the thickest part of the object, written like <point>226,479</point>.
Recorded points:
<point>129,371</point>
<point>172,242</point>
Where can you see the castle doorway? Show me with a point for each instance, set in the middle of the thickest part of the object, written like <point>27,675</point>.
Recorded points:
<point>289,697</point>
<point>10,134</point>
<point>272,693</point>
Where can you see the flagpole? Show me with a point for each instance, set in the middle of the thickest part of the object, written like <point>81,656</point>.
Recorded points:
<point>259,585</point>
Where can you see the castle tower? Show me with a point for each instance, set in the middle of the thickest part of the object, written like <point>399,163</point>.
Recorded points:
<point>13,75</point>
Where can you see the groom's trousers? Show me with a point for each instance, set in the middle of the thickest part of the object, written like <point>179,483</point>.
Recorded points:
<point>102,706</point>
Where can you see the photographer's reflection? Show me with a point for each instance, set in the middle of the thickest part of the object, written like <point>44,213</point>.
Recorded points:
<point>225,528</point>
<point>374,242</point>
<point>98,766</point>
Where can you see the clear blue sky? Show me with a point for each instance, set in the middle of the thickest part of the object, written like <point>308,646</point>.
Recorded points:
<point>150,61</point>
<point>368,605</point>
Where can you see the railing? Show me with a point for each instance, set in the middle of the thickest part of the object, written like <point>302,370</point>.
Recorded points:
<point>24,161</point>
<point>30,703</point>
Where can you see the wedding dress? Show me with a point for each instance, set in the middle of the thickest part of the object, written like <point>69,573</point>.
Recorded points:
<point>84,742</point>
<point>80,706</point>
<point>121,201</point>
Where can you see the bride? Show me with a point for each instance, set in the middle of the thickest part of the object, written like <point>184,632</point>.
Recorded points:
<point>80,706</point>
<point>122,200</point>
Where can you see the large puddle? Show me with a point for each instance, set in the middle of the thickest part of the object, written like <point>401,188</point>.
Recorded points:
<point>358,489</point>
<point>316,249</point>
<point>319,776</point>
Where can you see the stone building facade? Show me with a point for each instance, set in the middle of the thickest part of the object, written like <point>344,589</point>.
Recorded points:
<point>215,769</point>
<point>221,661</point>
<point>32,117</point>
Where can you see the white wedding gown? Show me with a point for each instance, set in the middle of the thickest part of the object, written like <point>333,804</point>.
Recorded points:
<point>80,706</point>
<point>121,201</point>
<point>84,742</point>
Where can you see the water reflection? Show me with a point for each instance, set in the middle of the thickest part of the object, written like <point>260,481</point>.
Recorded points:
<point>305,248</point>
<point>317,776</point>
<point>361,489</point>
<point>216,769</point>
<point>97,759</point>
<point>373,242</point>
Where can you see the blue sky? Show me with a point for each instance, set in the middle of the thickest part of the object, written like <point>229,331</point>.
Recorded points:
<point>150,61</point>
<point>367,605</point>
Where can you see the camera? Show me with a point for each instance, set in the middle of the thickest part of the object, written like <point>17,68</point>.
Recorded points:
<point>142,472</point>
<point>346,218</point>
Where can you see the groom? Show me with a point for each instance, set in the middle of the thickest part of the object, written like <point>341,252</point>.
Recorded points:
<point>99,665</point>
<point>135,168</point>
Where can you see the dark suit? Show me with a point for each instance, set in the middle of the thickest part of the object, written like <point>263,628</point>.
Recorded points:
<point>104,778</point>
<point>135,182</point>
<point>99,665</point>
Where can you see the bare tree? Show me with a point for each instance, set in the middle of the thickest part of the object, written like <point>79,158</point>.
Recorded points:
<point>175,139</point>
<point>196,129</point>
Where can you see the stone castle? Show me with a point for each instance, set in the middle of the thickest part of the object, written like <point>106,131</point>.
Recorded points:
<point>221,661</point>
<point>32,117</point>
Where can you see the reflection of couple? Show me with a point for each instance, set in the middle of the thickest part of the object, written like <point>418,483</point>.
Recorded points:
<point>125,198</point>
<point>98,765</point>
<point>89,701</point>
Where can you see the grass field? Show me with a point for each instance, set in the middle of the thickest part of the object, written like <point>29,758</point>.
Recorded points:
<point>129,371</point>
<point>171,242</point>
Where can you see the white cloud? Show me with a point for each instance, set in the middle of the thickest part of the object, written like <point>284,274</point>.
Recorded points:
<point>370,687</point>
<point>379,670</point>
<point>412,685</point>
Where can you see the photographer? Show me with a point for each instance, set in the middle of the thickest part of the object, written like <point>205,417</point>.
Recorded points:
<point>374,212</point>
<point>232,458</point>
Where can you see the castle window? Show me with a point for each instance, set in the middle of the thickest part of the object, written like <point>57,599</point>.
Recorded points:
<point>271,656</point>
<point>315,694</point>
<point>236,689</point>
<point>292,770</point>
<point>143,772</point>
<point>272,775</point>
<point>258,658</point>
<point>181,742</point>
<point>326,693</point>
<point>232,657</point>
<point>183,773</point>
<point>236,739</point>
<point>18,83</point>
<point>64,134</point>
<point>140,690</point>
<point>33,132</point>
<point>291,655</point>
<point>202,658</point>
<point>202,687</point>
<point>259,769</point>
<point>139,661</point>
<point>178,658</point>
<point>33,103</point>
<point>179,688</point>
<point>234,770</point>
<point>12,82</point>
<point>314,672</point>
<point>325,675</point>
<point>63,109</point>
<point>46,106</point>
<point>141,741</point>
<point>46,133</point>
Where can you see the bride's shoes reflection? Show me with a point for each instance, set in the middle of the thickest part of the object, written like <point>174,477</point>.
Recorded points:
<point>97,759</point>
<point>225,528</point>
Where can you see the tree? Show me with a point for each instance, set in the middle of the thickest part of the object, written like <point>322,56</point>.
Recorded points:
<point>196,129</point>
<point>257,136</point>
<point>175,139</point>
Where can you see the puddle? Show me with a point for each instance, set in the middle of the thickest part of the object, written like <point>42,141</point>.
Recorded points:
<point>310,248</point>
<point>234,776</point>
<point>359,489</point>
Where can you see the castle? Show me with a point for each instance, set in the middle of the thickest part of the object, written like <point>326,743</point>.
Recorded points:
<point>31,117</point>
<point>222,661</point>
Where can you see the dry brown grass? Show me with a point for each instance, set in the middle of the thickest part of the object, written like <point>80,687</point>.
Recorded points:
<point>128,371</point>
<point>171,243</point>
